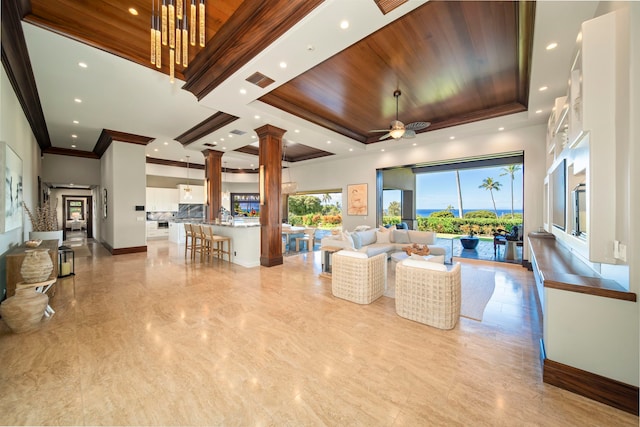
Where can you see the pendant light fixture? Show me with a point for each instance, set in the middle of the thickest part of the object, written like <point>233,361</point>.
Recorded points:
<point>226,195</point>
<point>173,24</point>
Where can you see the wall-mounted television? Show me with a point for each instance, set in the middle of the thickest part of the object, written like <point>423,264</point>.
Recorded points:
<point>559,194</point>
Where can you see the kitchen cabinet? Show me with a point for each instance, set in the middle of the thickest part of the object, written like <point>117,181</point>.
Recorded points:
<point>162,199</point>
<point>177,232</point>
<point>153,232</point>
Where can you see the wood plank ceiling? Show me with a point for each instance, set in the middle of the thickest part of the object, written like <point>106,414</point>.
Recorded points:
<point>455,62</point>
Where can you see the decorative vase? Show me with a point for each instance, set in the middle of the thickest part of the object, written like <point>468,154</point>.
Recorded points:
<point>23,311</point>
<point>469,242</point>
<point>46,235</point>
<point>36,266</point>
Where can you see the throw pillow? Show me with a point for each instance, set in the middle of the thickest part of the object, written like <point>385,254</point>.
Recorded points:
<point>357,240</point>
<point>424,264</point>
<point>382,237</point>
<point>362,228</point>
<point>401,236</point>
<point>346,236</point>
<point>353,254</point>
<point>368,237</point>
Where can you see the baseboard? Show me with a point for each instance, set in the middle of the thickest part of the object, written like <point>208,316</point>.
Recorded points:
<point>605,390</point>
<point>131,250</point>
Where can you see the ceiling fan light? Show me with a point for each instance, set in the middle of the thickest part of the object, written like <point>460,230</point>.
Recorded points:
<point>396,133</point>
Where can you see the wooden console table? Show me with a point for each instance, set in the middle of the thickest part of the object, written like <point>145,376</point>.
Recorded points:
<point>16,255</point>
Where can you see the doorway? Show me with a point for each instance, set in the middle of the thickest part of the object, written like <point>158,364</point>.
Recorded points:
<point>77,215</point>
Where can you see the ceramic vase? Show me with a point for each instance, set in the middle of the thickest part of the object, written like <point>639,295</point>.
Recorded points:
<point>36,266</point>
<point>23,311</point>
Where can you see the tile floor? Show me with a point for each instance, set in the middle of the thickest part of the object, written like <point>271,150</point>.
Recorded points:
<point>154,339</point>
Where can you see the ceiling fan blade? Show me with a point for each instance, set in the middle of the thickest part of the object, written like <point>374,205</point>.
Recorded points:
<point>408,134</point>
<point>384,137</point>
<point>379,130</point>
<point>418,125</point>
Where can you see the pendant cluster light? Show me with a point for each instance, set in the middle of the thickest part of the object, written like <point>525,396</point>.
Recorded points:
<point>187,188</point>
<point>169,27</point>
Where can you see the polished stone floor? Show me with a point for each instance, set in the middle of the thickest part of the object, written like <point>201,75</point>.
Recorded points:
<point>154,339</point>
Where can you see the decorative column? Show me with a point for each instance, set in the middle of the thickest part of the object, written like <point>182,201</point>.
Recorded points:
<point>270,158</point>
<point>213,182</point>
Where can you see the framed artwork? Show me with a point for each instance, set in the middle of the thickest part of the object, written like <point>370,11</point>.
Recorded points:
<point>357,199</point>
<point>11,196</point>
<point>104,202</point>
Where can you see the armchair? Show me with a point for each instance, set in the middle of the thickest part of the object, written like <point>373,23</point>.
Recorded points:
<point>357,277</point>
<point>428,295</point>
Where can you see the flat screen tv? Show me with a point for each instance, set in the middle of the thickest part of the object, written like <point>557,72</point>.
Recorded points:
<point>559,194</point>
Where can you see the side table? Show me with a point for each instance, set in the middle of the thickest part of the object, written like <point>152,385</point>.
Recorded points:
<point>327,251</point>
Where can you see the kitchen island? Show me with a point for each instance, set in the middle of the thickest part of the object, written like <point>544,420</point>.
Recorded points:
<point>244,234</point>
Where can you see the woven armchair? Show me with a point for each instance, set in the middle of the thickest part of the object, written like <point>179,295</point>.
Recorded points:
<point>359,280</point>
<point>428,296</point>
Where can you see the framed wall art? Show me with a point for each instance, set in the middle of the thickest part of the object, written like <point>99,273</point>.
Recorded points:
<point>11,196</point>
<point>357,199</point>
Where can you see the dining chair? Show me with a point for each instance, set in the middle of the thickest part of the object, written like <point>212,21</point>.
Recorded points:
<point>309,237</point>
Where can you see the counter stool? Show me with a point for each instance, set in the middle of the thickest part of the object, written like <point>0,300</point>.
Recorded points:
<point>197,241</point>
<point>188,239</point>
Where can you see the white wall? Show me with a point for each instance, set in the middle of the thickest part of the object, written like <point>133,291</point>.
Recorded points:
<point>340,172</point>
<point>57,169</point>
<point>16,132</point>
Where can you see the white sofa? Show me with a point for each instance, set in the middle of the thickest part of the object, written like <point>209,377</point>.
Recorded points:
<point>373,241</point>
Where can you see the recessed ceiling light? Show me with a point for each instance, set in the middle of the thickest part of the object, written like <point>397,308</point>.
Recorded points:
<point>74,136</point>
<point>71,184</point>
<point>382,149</point>
<point>283,64</point>
<point>75,122</point>
<point>221,139</point>
<point>148,155</point>
<point>182,160</point>
<point>230,136</point>
<point>297,131</point>
<point>166,143</point>
<point>344,24</point>
<point>224,148</point>
<point>78,100</point>
<point>82,64</point>
<point>252,165</point>
<point>452,137</point>
<point>543,88</point>
<point>415,143</point>
<point>155,149</point>
<point>257,117</point>
<point>253,136</point>
<point>552,45</point>
<point>538,111</point>
<point>133,11</point>
<point>328,142</point>
<point>500,129</point>
<point>243,91</point>
<point>73,145</point>
<point>350,149</point>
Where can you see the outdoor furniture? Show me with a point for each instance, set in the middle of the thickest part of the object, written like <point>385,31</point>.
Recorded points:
<point>309,237</point>
<point>358,278</point>
<point>428,296</point>
<point>501,237</point>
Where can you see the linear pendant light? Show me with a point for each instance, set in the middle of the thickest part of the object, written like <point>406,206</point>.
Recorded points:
<point>175,24</point>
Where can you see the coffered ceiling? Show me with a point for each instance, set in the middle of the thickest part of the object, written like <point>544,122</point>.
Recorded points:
<point>454,62</point>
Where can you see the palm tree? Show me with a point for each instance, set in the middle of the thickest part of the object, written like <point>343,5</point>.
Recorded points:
<point>490,184</point>
<point>326,198</point>
<point>511,171</point>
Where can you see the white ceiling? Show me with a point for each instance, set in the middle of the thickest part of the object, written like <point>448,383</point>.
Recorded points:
<point>120,95</point>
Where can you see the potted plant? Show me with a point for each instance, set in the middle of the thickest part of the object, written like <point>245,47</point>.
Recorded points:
<point>44,223</point>
<point>470,241</point>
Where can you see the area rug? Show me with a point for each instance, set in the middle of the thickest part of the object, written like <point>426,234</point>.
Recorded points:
<point>81,251</point>
<point>477,288</point>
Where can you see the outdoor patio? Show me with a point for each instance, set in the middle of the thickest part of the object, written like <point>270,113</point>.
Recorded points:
<point>484,250</point>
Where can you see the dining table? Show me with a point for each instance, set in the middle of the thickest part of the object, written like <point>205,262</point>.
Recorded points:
<point>289,231</point>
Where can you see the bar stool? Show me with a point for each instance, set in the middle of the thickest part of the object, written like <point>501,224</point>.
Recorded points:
<point>188,238</point>
<point>198,241</point>
<point>208,240</point>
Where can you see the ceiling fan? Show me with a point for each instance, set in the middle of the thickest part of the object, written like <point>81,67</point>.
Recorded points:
<point>397,129</point>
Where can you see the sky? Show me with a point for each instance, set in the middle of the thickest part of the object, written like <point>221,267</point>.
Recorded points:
<point>437,190</point>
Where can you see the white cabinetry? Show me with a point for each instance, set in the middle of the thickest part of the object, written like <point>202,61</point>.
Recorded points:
<point>162,199</point>
<point>197,194</point>
<point>153,232</point>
